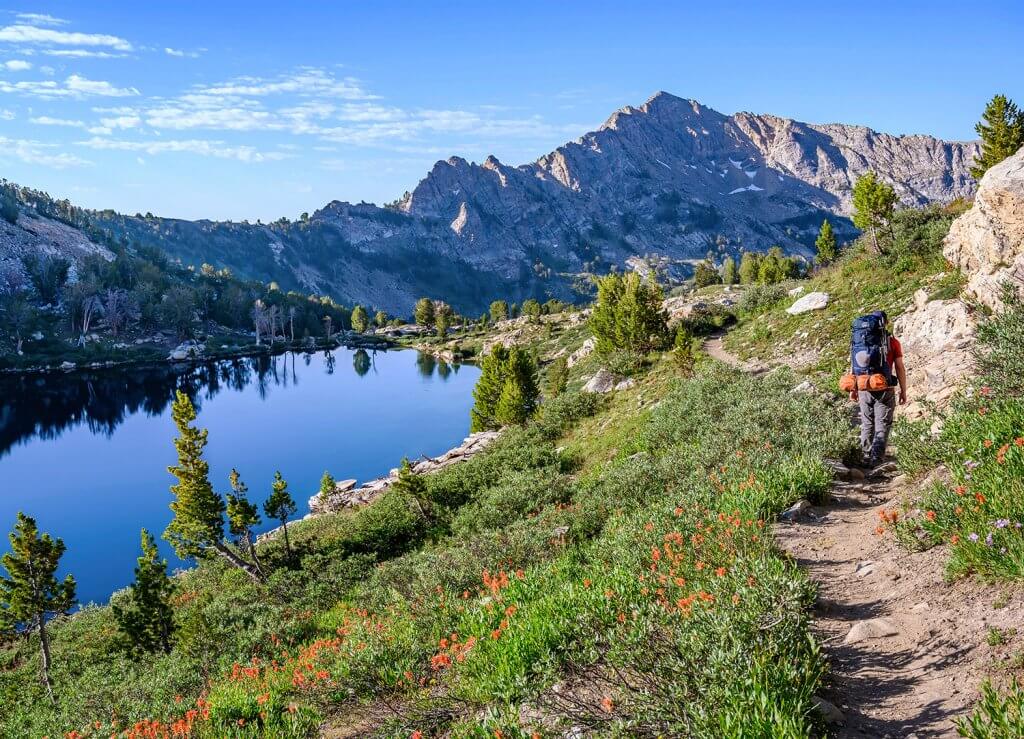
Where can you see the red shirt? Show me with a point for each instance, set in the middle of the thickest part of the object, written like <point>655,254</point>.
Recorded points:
<point>895,352</point>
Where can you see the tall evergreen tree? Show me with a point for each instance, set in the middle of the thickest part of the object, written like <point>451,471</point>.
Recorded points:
<point>627,315</point>
<point>750,267</point>
<point>30,592</point>
<point>532,310</point>
<point>825,244</point>
<point>380,319</point>
<point>424,312</point>
<point>146,620</point>
<point>360,319</point>
<point>518,398</point>
<point>281,506</point>
<point>730,275</point>
<point>414,487</point>
<point>499,311</point>
<point>873,205</point>
<point>556,378</point>
<point>1001,129</point>
<point>443,315</point>
<point>243,516</point>
<point>197,529</point>
<point>328,486</point>
<point>705,274</point>
<point>488,389</point>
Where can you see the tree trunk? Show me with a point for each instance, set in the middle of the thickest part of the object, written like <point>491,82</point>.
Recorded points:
<point>44,644</point>
<point>874,241</point>
<point>257,333</point>
<point>252,552</point>
<point>238,562</point>
<point>287,543</point>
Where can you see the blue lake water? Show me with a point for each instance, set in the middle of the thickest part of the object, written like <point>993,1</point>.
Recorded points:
<point>86,454</point>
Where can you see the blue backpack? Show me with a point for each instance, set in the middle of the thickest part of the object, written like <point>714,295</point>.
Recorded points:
<point>869,347</point>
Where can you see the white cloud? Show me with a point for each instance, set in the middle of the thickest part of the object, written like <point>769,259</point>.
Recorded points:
<point>100,130</point>
<point>82,54</point>
<point>28,34</point>
<point>6,115</point>
<point>216,149</point>
<point>36,152</point>
<point>40,19</point>
<point>180,53</point>
<point>307,82</point>
<point>75,86</point>
<point>121,121</point>
<point>45,120</point>
<point>48,71</point>
<point>17,65</point>
<point>85,86</point>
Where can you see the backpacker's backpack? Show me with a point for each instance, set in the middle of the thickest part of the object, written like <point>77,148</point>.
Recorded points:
<point>869,347</point>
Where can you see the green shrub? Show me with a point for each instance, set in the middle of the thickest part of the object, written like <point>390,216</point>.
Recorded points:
<point>995,716</point>
<point>759,298</point>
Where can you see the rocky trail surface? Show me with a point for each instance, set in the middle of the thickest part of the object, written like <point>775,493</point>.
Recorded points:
<point>907,650</point>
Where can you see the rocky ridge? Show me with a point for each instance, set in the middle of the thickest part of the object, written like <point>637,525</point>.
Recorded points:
<point>670,179</point>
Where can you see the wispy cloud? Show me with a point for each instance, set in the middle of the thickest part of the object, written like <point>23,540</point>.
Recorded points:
<point>45,120</point>
<point>39,153</point>
<point>306,82</point>
<point>82,54</point>
<point>16,65</point>
<point>7,115</point>
<point>180,53</point>
<point>36,35</point>
<point>201,147</point>
<point>76,86</point>
<point>40,19</point>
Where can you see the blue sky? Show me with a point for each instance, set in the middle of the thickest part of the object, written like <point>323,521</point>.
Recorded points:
<point>258,110</point>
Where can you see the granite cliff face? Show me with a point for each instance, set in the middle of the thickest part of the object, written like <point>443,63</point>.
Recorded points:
<point>987,242</point>
<point>672,179</point>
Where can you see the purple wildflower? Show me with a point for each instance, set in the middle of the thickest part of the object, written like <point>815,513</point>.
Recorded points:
<point>972,536</point>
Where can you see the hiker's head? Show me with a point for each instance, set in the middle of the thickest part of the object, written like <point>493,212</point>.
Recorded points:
<point>881,314</point>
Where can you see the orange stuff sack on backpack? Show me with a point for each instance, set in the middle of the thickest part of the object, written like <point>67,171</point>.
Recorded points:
<point>848,383</point>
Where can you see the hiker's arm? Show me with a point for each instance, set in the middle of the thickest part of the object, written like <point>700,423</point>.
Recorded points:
<point>901,374</point>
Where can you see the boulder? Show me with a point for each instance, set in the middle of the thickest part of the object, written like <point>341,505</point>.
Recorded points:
<point>828,711</point>
<point>583,352</point>
<point>937,337</point>
<point>798,290</point>
<point>809,302</point>
<point>987,242</point>
<point>604,381</point>
<point>795,512</point>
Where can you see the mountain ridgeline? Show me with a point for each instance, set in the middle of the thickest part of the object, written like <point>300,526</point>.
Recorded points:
<point>664,183</point>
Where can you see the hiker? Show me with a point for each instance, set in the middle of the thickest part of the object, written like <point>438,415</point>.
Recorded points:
<point>876,367</point>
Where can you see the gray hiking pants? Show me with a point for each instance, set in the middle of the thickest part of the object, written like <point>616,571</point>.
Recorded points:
<point>876,415</point>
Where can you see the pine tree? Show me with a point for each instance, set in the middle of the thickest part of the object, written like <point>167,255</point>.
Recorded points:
<point>360,319</point>
<point>532,310</point>
<point>511,408</point>
<point>556,378</point>
<point>146,620</point>
<point>682,352</point>
<point>1002,134</point>
<point>499,311</point>
<point>424,312</point>
<point>603,316</point>
<point>488,389</point>
<point>281,506</point>
<point>328,486</point>
<point>443,315</point>
<point>380,319</point>
<point>873,205</point>
<point>730,275</point>
<point>30,592</point>
<point>414,487</point>
<point>243,516</point>
<point>705,274</point>
<point>197,528</point>
<point>825,244</point>
<point>750,267</point>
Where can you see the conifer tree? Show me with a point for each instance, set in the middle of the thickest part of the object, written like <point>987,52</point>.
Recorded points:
<point>682,351</point>
<point>414,487</point>
<point>197,529</point>
<point>281,506</point>
<point>730,276</point>
<point>147,620</point>
<point>360,319</point>
<point>424,312</point>
<point>488,389</point>
<point>1002,134</point>
<point>380,319</point>
<point>532,310</point>
<point>873,205</point>
<point>825,244</point>
<point>328,486</point>
<point>750,267</point>
<point>499,311</point>
<point>705,274</point>
<point>603,316</point>
<point>243,516</point>
<point>556,378</point>
<point>443,315</point>
<point>512,404</point>
<point>30,592</point>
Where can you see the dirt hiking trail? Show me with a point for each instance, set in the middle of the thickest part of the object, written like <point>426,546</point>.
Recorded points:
<point>907,650</point>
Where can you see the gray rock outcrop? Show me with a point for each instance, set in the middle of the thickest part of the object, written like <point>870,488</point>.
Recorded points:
<point>809,302</point>
<point>937,337</point>
<point>987,242</point>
